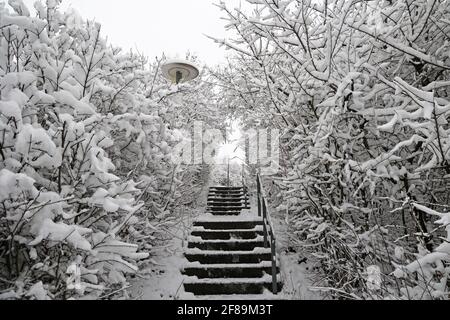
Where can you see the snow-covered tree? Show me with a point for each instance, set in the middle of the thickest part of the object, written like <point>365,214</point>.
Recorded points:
<point>360,90</point>
<point>86,136</point>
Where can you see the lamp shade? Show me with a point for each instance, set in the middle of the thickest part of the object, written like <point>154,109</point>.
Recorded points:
<point>179,71</point>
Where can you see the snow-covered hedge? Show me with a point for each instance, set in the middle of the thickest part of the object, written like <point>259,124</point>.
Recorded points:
<point>361,91</point>
<point>85,160</point>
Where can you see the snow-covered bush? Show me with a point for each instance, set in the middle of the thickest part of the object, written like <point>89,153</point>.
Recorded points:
<point>85,149</point>
<point>360,91</point>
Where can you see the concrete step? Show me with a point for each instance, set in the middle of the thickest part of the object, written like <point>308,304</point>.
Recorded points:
<point>227,203</point>
<point>227,199</point>
<point>223,194</point>
<point>225,213</point>
<point>228,271</point>
<point>212,208</point>
<point>224,200</point>
<point>233,257</point>
<point>227,188</point>
<point>226,245</point>
<point>225,208</point>
<point>228,225</point>
<point>229,286</point>
<point>226,234</point>
<point>234,197</point>
<point>228,192</point>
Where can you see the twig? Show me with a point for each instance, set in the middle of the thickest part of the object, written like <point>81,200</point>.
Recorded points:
<point>114,292</point>
<point>176,293</point>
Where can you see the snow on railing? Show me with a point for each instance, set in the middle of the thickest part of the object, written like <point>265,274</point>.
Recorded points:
<point>269,234</point>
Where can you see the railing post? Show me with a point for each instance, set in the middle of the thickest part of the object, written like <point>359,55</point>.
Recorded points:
<point>246,196</point>
<point>264,209</point>
<point>258,187</point>
<point>274,267</point>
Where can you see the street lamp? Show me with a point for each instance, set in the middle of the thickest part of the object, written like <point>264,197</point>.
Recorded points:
<point>179,71</point>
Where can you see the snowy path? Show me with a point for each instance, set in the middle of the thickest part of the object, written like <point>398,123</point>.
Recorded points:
<point>162,279</point>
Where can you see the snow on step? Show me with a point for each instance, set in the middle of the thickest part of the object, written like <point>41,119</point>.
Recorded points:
<point>222,199</point>
<point>226,213</point>
<point>255,251</point>
<point>227,234</point>
<point>226,208</point>
<point>262,264</point>
<point>227,192</point>
<point>229,285</point>
<point>226,245</point>
<point>233,225</point>
<point>224,194</point>
<point>227,188</point>
<point>230,194</point>
<point>225,219</point>
<point>193,239</point>
<point>203,229</point>
<point>224,189</point>
<point>265,296</point>
<point>265,279</point>
<point>234,199</point>
<point>220,204</point>
<point>231,257</point>
<point>249,270</point>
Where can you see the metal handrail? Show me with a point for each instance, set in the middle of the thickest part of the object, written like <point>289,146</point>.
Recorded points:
<point>269,233</point>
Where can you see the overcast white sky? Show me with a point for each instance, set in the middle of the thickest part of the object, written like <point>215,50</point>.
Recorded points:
<point>156,26</point>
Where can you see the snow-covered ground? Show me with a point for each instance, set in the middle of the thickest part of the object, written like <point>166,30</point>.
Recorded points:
<point>161,278</point>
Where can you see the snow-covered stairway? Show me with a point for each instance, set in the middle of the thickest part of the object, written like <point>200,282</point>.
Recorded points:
<point>226,254</point>
<point>227,200</point>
